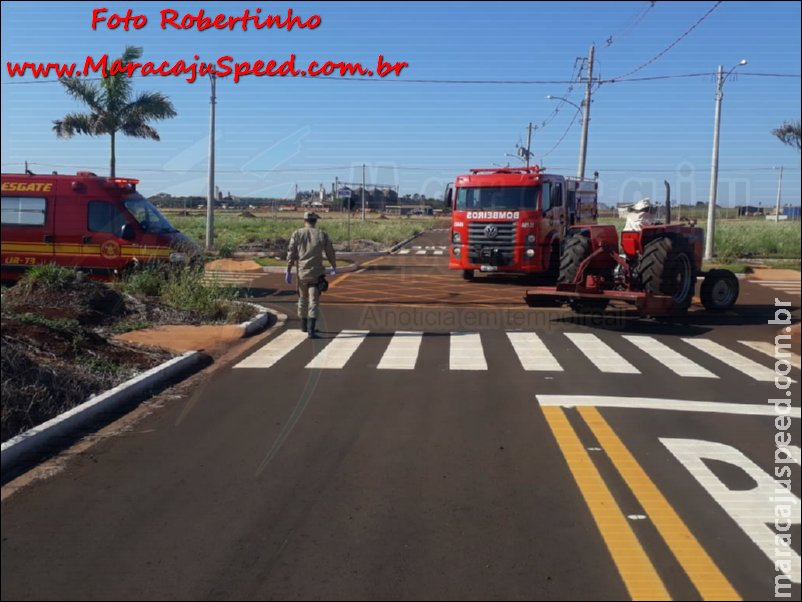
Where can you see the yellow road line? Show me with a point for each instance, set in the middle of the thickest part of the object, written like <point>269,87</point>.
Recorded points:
<point>636,570</point>
<point>693,558</point>
<point>345,277</point>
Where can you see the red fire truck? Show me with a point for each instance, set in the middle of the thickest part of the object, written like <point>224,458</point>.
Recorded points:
<point>100,226</point>
<point>513,220</point>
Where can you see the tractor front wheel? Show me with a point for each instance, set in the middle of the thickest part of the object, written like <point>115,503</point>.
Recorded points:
<point>577,248</point>
<point>666,269</point>
<point>719,290</point>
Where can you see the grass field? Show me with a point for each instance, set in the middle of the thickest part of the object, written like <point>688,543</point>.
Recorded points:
<point>749,238</point>
<point>232,230</point>
<point>735,238</point>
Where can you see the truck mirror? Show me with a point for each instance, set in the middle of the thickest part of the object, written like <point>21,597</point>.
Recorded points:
<point>128,232</point>
<point>448,196</point>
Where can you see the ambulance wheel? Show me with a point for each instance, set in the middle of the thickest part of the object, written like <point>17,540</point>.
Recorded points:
<point>719,290</point>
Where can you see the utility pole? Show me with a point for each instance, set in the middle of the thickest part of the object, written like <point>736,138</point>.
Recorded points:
<point>779,193</point>
<point>529,144</point>
<point>210,195</point>
<point>363,192</point>
<point>711,203</point>
<point>583,144</point>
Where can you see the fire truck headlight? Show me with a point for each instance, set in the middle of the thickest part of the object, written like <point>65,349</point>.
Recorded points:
<point>456,251</point>
<point>456,238</point>
<point>530,238</point>
<point>530,253</point>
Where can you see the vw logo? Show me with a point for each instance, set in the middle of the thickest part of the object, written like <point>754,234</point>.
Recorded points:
<point>491,231</point>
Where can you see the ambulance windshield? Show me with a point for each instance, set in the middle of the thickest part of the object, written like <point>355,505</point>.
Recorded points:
<point>150,219</point>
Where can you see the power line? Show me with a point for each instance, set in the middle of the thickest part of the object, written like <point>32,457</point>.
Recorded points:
<point>674,43</point>
<point>428,168</point>
<point>565,133</point>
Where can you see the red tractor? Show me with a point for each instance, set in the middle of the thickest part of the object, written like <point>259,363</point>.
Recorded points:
<point>655,270</point>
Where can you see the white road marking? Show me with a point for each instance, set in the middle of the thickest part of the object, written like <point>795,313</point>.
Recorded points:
<point>735,360</point>
<point>753,509</point>
<point>466,352</point>
<point>404,252</point>
<point>337,353</point>
<point>673,360</point>
<point>421,252</point>
<point>770,350</point>
<point>601,354</point>
<point>533,352</point>
<point>439,252</point>
<point>274,350</point>
<point>654,403</point>
<point>402,352</point>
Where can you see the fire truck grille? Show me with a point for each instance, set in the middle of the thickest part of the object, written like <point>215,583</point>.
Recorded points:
<point>491,242</point>
<point>483,233</point>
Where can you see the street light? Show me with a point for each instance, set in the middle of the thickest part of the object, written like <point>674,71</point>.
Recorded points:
<point>583,142</point>
<point>711,207</point>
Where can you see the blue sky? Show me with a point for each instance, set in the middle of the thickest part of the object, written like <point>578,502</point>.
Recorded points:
<point>274,133</point>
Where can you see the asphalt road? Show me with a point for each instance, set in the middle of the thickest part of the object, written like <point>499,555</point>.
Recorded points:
<point>434,451</point>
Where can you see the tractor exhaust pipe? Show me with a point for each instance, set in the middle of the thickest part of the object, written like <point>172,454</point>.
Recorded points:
<point>668,201</point>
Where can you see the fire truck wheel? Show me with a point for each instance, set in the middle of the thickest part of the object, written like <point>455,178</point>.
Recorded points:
<point>467,275</point>
<point>668,270</point>
<point>576,250</point>
<point>719,290</point>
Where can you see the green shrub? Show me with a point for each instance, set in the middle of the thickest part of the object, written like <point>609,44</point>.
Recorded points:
<point>148,281</point>
<point>49,275</point>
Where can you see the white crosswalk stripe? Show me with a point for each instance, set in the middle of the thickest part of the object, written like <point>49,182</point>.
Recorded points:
<point>770,350</point>
<point>601,354</point>
<point>733,359</point>
<point>466,352</point>
<point>534,355</point>
<point>783,286</point>
<point>673,360</point>
<point>274,350</point>
<point>402,352</point>
<point>337,353</point>
<point>424,250</point>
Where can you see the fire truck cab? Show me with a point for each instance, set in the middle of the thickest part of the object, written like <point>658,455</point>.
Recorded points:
<point>97,225</point>
<point>513,220</point>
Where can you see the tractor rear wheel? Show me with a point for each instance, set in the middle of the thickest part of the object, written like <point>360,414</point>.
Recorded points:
<point>719,290</point>
<point>577,248</point>
<point>667,269</point>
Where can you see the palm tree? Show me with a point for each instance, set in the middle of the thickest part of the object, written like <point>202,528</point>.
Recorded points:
<point>789,133</point>
<point>112,109</point>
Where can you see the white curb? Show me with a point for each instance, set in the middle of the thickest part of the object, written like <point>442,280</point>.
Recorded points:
<point>33,442</point>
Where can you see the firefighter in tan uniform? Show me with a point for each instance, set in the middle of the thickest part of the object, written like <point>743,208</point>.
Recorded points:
<point>306,249</point>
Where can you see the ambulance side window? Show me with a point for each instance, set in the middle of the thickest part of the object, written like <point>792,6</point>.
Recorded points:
<point>23,211</point>
<point>105,217</point>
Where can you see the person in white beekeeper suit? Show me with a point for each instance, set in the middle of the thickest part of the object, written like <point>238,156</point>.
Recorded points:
<point>640,215</point>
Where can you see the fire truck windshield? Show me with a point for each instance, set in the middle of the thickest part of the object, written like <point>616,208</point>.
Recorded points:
<point>150,218</point>
<point>501,197</point>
